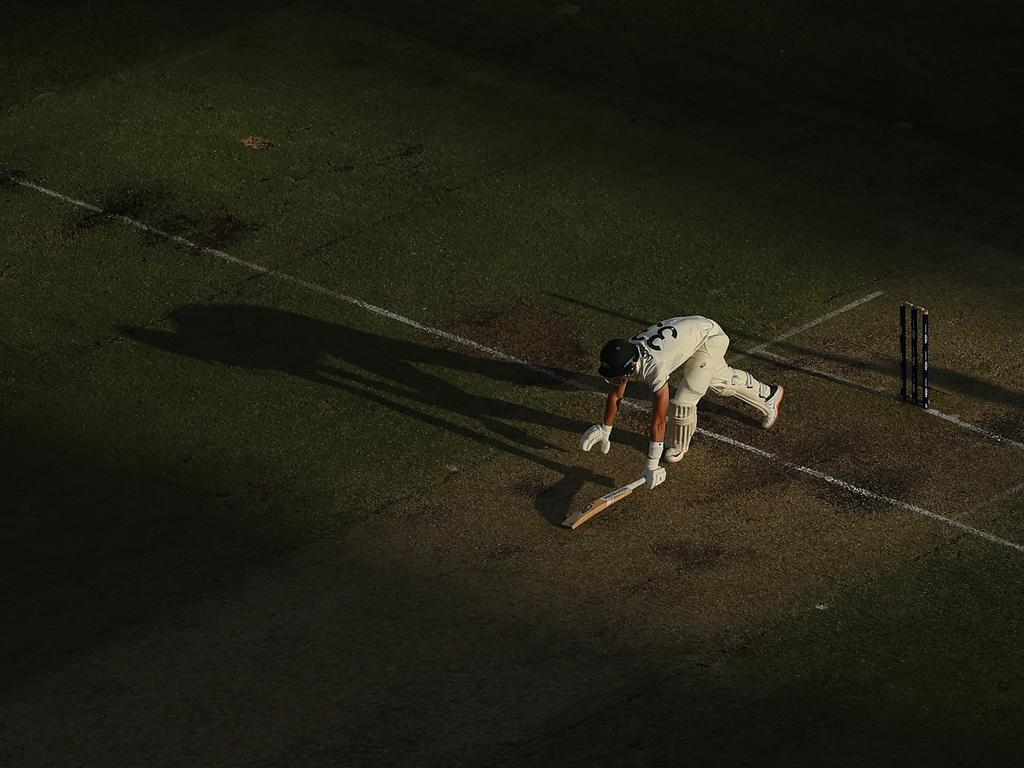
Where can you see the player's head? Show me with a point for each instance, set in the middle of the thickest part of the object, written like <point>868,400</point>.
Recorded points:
<point>618,361</point>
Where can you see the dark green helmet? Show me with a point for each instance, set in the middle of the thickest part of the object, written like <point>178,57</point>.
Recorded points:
<point>618,358</point>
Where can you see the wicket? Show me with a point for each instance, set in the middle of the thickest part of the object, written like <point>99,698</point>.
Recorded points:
<point>915,311</point>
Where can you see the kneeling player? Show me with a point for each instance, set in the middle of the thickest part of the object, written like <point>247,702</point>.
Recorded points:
<point>696,345</point>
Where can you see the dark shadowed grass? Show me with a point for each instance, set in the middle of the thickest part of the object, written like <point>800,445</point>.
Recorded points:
<point>180,430</point>
<point>890,669</point>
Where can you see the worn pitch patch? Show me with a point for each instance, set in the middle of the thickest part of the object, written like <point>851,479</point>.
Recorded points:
<point>469,343</point>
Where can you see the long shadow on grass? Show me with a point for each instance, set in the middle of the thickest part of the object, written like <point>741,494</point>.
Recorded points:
<point>388,372</point>
<point>350,648</point>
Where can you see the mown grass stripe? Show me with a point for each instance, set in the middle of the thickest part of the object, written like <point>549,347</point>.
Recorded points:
<point>463,341</point>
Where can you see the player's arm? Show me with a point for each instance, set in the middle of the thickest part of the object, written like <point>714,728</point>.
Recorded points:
<point>611,404</point>
<point>659,414</point>
<point>600,434</point>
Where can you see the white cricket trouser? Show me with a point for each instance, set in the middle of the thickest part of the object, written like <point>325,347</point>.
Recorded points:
<point>707,369</point>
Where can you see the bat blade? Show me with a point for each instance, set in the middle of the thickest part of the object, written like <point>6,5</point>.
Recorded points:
<point>576,519</point>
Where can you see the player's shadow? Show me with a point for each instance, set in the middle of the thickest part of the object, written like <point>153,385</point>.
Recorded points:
<point>414,380</point>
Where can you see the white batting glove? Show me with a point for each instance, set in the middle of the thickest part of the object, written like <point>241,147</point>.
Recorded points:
<point>654,474</point>
<point>599,433</point>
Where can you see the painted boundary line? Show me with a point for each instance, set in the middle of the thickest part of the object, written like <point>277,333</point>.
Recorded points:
<point>808,326</point>
<point>438,333</point>
<point>953,419</point>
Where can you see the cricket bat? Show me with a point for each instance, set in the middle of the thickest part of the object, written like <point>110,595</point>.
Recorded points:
<point>576,519</point>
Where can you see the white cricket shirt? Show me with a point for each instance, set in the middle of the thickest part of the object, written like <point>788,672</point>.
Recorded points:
<point>668,344</point>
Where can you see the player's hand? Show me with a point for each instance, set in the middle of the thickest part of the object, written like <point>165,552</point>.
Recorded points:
<point>597,434</point>
<point>654,476</point>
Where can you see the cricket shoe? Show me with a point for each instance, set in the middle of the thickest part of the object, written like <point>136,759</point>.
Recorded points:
<point>774,403</point>
<point>672,455</point>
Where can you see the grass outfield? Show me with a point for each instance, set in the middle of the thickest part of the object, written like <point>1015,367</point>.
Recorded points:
<point>269,501</point>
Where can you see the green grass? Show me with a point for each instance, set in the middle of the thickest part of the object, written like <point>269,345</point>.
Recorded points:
<point>181,432</point>
<point>892,670</point>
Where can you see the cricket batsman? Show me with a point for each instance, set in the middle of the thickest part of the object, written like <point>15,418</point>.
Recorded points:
<point>696,345</point>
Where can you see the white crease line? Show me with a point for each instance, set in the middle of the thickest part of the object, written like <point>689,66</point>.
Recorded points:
<point>285,277</point>
<point>437,332</point>
<point>761,349</point>
<point>911,507</point>
<point>953,419</point>
<point>997,498</point>
<point>818,372</point>
<point>808,326</point>
<point>856,490</point>
<point>57,195</point>
<point>956,421</point>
